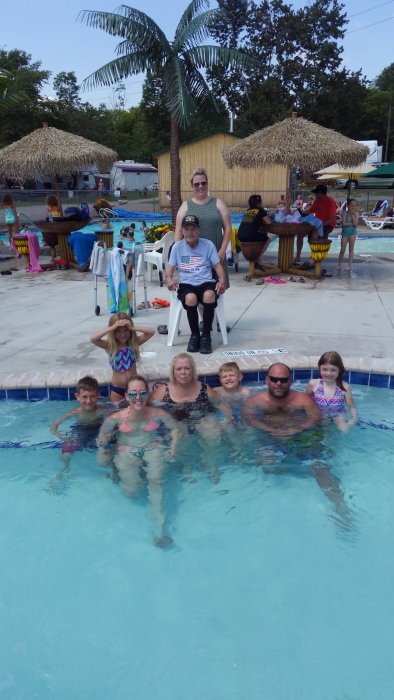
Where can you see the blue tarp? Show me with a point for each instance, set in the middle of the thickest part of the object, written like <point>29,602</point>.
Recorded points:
<point>124,214</point>
<point>82,245</point>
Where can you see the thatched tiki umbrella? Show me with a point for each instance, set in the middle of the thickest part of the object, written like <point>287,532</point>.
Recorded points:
<point>295,143</point>
<point>53,152</point>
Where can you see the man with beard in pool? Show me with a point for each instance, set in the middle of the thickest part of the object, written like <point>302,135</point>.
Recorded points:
<point>284,413</point>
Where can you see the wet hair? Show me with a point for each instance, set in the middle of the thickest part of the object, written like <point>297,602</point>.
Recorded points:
<point>254,200</point>
<point>132,226</point>
<point>138,378</point>
<point>279,363</point>
<point>182,356</point>
<point>8,201</point>
<point>229,367</point>
<point>52,200</point>
<point>124,230</point>
<point>333,358</point>
<point>87,383</point>
<point>198,171</point>
<point>132,341</point>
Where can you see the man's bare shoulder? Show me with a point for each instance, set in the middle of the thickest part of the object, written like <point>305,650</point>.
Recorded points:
<point>260,399</point>
<point>299,399</point>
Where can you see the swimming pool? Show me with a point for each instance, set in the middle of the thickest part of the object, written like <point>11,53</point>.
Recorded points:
<point>265,594</point>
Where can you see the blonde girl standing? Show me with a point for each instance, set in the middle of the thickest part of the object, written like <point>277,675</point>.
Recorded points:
<point>122,346</point>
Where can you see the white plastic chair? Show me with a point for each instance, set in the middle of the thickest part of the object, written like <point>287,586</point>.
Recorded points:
<point>174,320</point>
<point>151,255</point>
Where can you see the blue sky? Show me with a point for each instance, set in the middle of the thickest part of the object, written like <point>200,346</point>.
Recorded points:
<point>52,35</point>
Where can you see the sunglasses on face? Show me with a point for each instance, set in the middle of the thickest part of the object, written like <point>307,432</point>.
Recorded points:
<point>132,395</point>
<point>281,380</point>
<point>200,184</point>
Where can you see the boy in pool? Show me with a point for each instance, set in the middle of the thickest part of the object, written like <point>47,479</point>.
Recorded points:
<point>230,396</point>
<point>89,417</point>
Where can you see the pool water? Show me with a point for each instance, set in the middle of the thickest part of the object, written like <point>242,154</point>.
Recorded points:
<point>266,592</point>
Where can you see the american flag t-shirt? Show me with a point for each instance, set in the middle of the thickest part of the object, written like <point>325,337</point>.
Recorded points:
<point>190,263</point>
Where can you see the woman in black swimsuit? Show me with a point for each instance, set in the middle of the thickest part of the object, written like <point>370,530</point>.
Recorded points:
<point>189,401</point>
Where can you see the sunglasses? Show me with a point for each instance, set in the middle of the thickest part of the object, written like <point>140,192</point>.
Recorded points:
<point>281,380</point>
<point>200,184</point>
<point>133,394</point>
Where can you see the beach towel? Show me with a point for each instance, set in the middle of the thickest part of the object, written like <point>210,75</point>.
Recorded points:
<point>34,253</point>
<point>118,298</point>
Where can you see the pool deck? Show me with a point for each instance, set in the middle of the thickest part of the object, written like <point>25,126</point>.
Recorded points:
<point>47,320</point>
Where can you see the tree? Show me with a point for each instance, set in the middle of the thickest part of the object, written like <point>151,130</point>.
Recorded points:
<point>146,48</point>
<point>67,89</point>
<point>27,78</point>
<point>385,80</point>
<point>297,53</point>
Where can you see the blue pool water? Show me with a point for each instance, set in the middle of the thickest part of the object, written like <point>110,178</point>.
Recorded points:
<point>265,594</point>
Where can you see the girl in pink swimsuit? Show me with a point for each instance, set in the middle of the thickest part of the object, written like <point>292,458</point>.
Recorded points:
<point>139,448</point>
<point>331,394</point>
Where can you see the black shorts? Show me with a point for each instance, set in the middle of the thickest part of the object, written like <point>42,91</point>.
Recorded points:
<point>198,290</point>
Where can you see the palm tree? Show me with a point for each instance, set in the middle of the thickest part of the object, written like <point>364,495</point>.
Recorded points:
<point>10,96</point>
<point>145,48</point>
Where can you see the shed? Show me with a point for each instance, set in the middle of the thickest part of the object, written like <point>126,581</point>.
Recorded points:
<point>233,185</point>
<point>129,175</point>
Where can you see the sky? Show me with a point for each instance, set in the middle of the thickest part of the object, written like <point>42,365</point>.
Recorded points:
<point>51,34</point>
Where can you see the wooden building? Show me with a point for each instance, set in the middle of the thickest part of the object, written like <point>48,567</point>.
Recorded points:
<point>233,185</point>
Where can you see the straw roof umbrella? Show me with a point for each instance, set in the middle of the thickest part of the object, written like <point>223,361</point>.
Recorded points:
<point>295,143</point>
<point>53,152</point>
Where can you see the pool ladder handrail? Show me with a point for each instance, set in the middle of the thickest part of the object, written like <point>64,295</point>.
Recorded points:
<point>107,213</point>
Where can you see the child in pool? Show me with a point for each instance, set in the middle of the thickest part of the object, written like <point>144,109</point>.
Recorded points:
<point>331,394</point>
<point>89,417</point>
<point>139,448</point>
<point>11,216</point>
<point>350,219</point>
<point>230,396</point>
<point>122,345</point>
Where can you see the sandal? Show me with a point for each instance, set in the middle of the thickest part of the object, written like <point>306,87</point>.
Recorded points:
<point>292,279</point>
<point>143,306</point>
<point>160,303</point>
<point>301,279</point>
<point>163,330</point>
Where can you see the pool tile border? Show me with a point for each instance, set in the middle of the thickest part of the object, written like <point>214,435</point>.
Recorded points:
<point>65,392</point>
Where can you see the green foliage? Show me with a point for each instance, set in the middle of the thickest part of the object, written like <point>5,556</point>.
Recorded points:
<point>67,89</point>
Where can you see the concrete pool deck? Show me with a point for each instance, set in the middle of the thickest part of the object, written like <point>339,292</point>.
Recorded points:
<point>48,318</point>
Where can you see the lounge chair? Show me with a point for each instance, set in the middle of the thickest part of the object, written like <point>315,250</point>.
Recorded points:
<point>379,208</point>
<point>377,223</point>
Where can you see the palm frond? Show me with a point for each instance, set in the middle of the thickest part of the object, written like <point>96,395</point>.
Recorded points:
<point>118,69</point>
<point>180,101</point>
<point>133,25</point>
<point>191,11</point>
<point>196,31</point>
<point>210,56</point>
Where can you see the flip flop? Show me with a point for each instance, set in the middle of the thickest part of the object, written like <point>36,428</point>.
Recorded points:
<point>142,305</point>
<point>163,330</point>
<point>292,279</point>
<point>301,279</point>
<point>160,303</point>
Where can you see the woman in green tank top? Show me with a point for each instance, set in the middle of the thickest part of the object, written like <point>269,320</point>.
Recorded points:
<point>214,217</point>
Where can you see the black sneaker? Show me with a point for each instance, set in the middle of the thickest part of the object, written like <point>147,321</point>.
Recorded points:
<point>194,343</point>
<point>206,345</point>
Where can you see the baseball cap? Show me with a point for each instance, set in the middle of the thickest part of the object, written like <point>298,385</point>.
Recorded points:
<point>320,189</point>
<point>190,220</point>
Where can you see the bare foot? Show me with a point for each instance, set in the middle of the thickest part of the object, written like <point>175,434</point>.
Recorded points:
<point>163,541</point>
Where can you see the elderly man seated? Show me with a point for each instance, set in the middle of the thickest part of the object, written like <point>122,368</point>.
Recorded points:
<point>194,258</point>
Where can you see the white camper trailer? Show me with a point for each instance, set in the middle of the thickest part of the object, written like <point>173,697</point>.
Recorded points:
<point>130,176</point>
